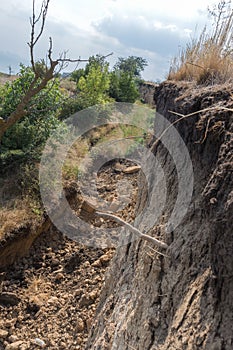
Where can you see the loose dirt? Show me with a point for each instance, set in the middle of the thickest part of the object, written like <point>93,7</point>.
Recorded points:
<point>48,299</point>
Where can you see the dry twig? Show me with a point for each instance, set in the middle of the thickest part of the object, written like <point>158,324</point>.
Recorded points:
<point>133,229</point>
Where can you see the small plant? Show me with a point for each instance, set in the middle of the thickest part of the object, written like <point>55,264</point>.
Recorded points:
<point>70,171</point>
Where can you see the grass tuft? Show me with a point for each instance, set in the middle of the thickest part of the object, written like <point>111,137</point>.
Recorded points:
<point>208,60</point>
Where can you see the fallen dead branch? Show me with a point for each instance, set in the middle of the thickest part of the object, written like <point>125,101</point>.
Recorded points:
<point>133,229</point>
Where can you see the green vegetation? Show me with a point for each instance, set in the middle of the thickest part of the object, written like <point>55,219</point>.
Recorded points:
<point>208,59</point>
<point>23,142</point>
<point>97,84</point>
<point>35,103</point>
<point>29,134</point>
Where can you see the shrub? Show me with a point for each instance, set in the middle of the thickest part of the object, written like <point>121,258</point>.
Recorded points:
<point>29,133</point>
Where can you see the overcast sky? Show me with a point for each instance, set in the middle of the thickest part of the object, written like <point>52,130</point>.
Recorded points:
<point>154,30</point>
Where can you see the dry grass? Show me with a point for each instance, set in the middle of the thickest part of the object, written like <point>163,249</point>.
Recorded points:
<point>25,210</point>
<point>11,219</point>
<point>209,59</point>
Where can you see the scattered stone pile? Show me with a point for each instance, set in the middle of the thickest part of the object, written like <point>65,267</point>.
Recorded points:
<point>48,298</point>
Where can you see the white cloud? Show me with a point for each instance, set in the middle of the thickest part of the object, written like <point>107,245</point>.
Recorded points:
<point>134,27</point>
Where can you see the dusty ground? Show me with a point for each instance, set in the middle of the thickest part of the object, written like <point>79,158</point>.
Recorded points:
<point>49,297</point>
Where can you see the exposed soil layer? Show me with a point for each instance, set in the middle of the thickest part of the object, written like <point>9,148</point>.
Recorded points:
<point>181,299</point>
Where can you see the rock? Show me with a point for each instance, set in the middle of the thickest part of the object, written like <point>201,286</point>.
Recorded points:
<point>9,299</point>
<point>3,334</point>
<point>2,276</point>
<point>10,323</point>
<point>80,325</point>
<point>89,206</point>
<point>118,167</point>
<point>78,292</point>
<point>14,346</point>
<point>39,342</point>
<point>53,301</point>
<point>86,264</point>
<point>132,169</point>
<point>93,295</point>
<point>85,301</point>
<point>97,263</point>
<point>104,259</point>
<point>13,338</point>
<point>59,276</point>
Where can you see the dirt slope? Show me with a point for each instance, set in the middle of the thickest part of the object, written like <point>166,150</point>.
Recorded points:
<point>182,300</point>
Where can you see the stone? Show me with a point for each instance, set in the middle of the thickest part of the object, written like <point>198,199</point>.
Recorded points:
<point>85,300</point>
<point>59,276</point>
<point>39,342</point>
<point>118,167</point>
<point>89,206</point>
<point>97,263</point>
<point>9,299</point>
<point>80,325</point>
<point>3,334</point>
<point>53,301</point>
<point>14,346</point>
<point>104,259</point>
<point>78,292</point>
<point>93,295</point>
<point>132,169</point>
<point>13,338</point>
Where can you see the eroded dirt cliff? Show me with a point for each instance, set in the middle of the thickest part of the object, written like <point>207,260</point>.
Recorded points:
<point>183,298</point>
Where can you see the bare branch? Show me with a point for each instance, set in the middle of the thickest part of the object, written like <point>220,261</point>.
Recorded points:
<point>42,17</point>
<point>50,50</point>
<point>33,21</point>
<point>79,59</point>
<point>134,230</point>
<point>153,147</point>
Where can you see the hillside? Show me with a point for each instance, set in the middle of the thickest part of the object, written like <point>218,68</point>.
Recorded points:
<point>6,77</point>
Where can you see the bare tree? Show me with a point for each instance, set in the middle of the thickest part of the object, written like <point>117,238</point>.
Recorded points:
<point>41,76</point>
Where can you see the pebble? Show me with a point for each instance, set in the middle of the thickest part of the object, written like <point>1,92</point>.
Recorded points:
<point>93,295</point>
<point>86,264</point>
<point>53,300</point>
<point>13,338</point>
<point>78,292</point>
<point>39,342</point>
<point>14,346</point>
<point>104,259</point>
<point>80,325</point>
<point>3,334</point>
<point>96,263</point>
<point>59,276</point>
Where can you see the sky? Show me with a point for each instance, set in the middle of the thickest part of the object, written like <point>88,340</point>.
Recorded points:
<point>154,30</point>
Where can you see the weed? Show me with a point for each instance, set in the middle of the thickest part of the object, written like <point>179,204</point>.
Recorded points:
<point>208,59</point>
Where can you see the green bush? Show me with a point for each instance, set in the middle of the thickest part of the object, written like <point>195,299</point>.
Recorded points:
<point>31,132</point>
